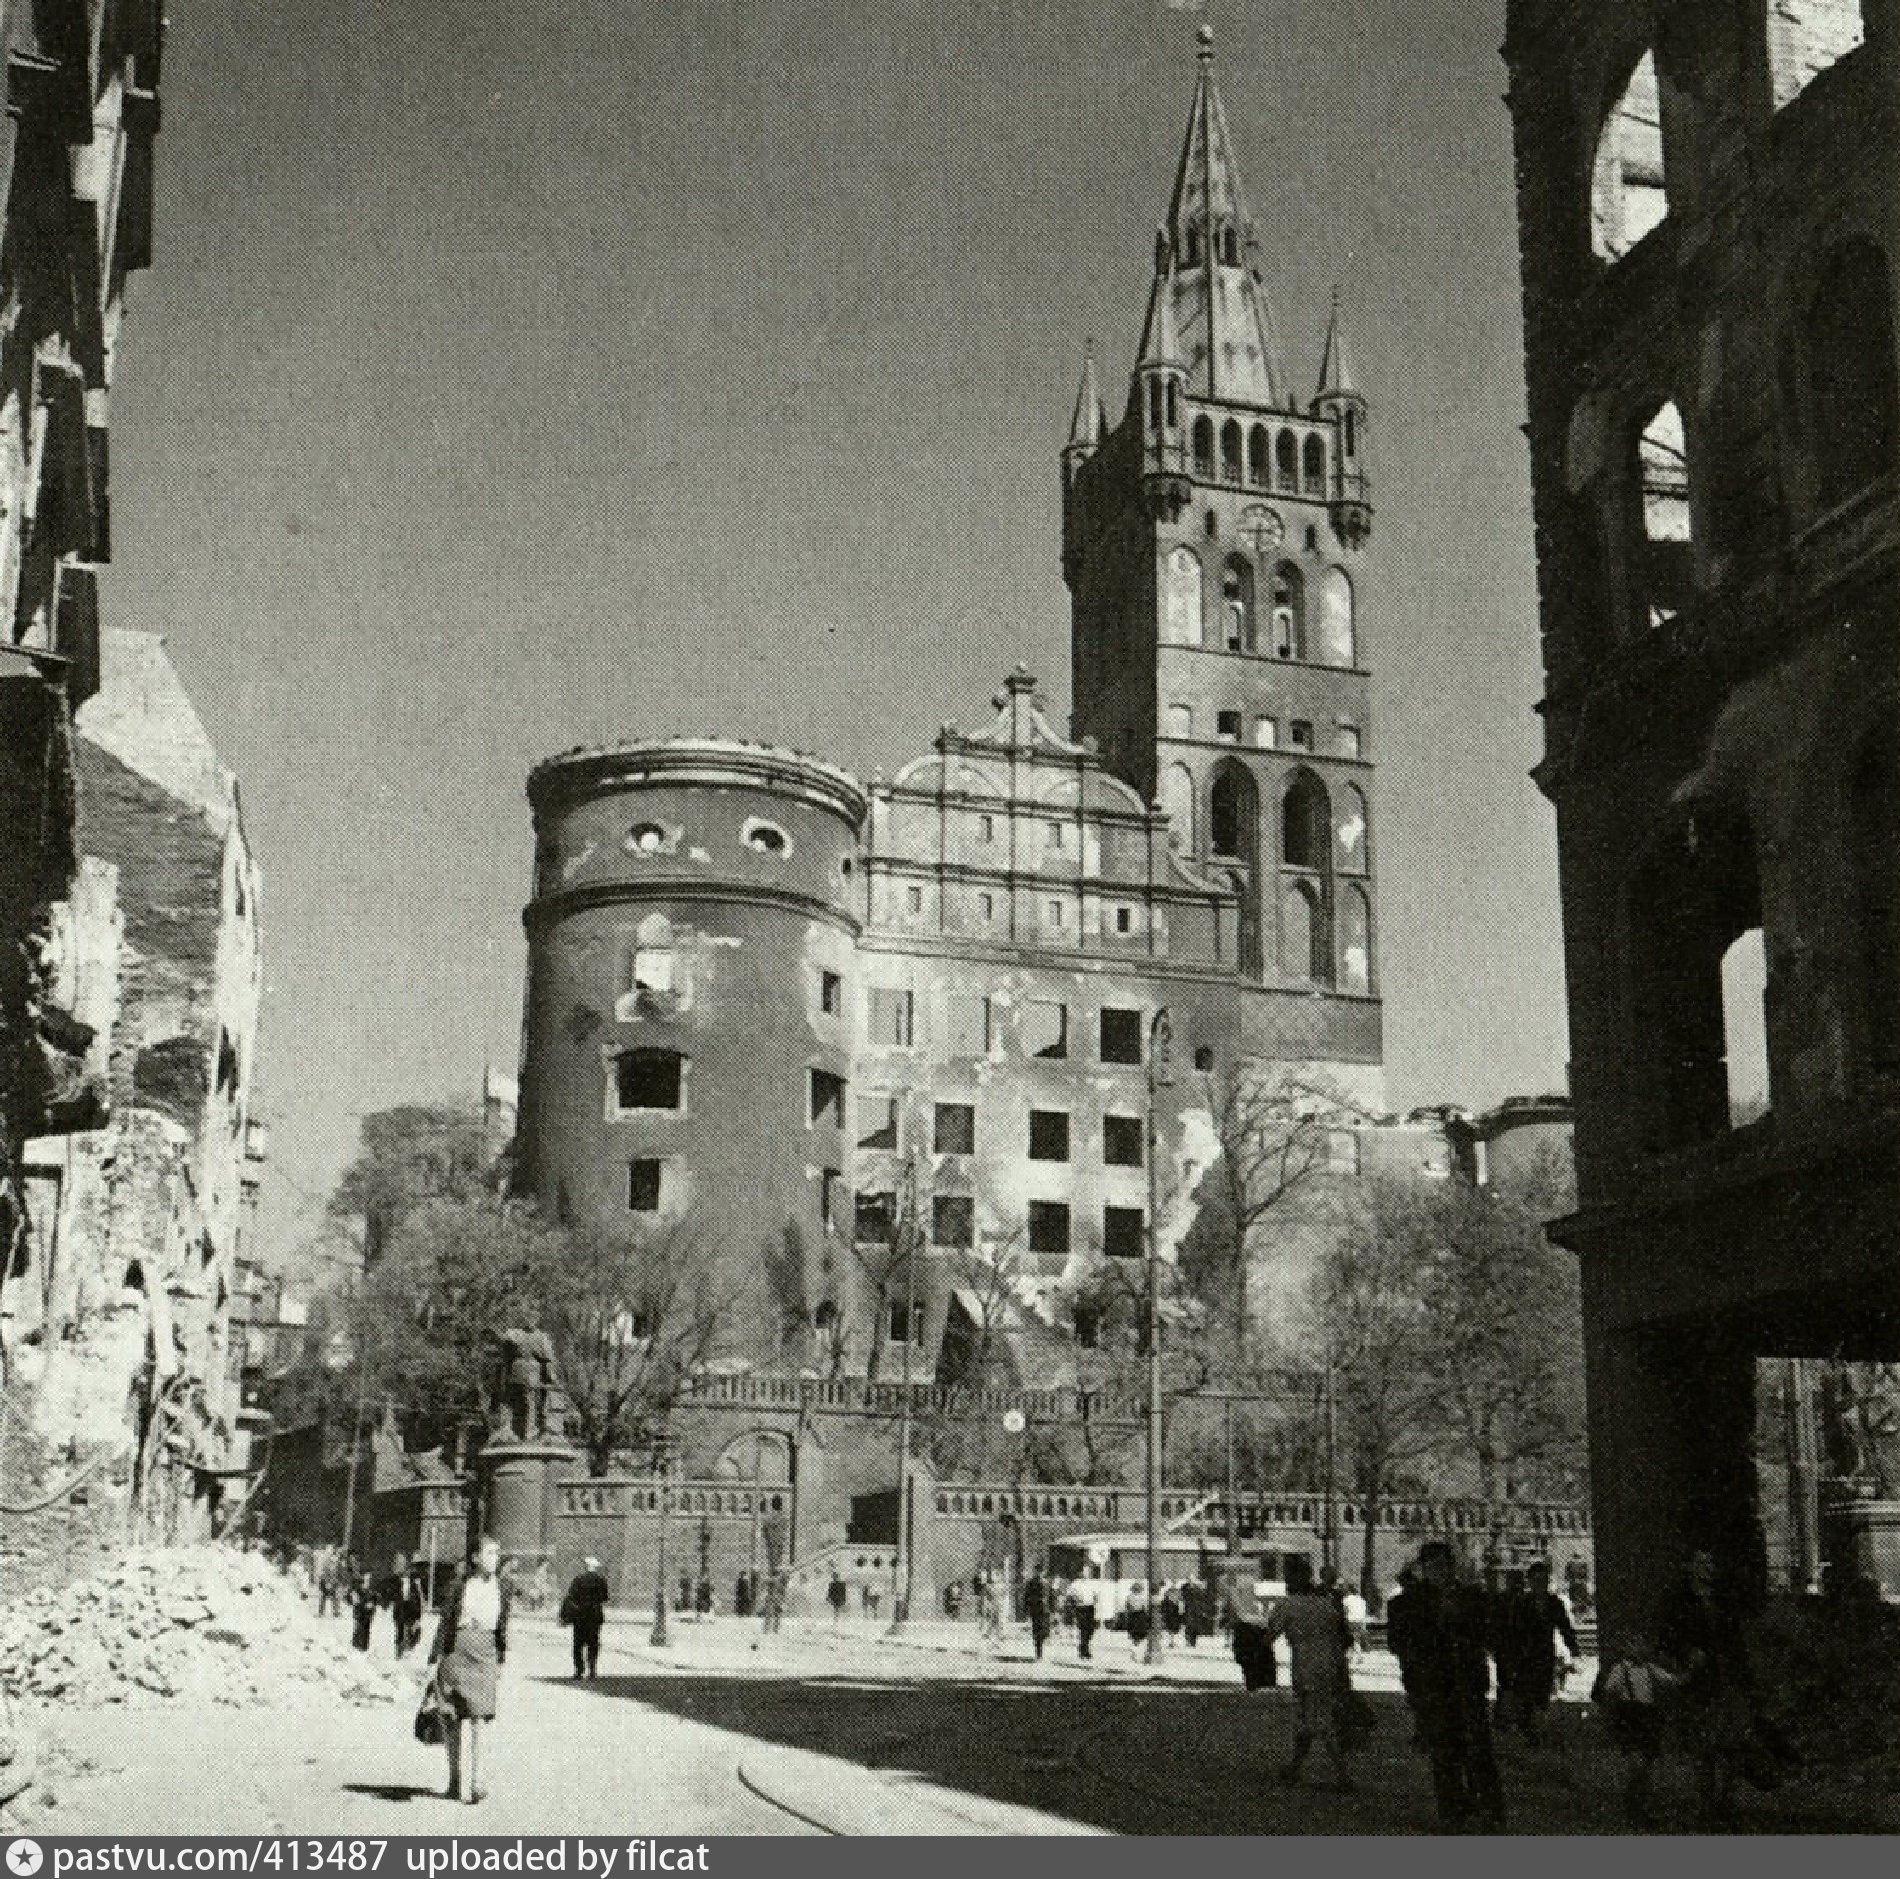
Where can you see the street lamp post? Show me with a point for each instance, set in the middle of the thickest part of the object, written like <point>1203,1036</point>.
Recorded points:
<point>659,1632</point>
<point>1160,1044</point>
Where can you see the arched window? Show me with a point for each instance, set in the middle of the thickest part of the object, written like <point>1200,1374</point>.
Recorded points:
<point>1874,832</point>
<point>1181,615</point>
<point>1286,457</point>
<point>1289,612</point>
<point>1306,823</point>
<point>1805,37</point>
<point>1230,465</point>
<point>1237,609</point>
<point>1303,943</point>
<point>1351,832</point>
<point>1194,244</point>
<point>1174,403</point>
<point>1259,456</point>
<point>1313,458</point>
<point>1204,446</point>
<point>1155,406</point>
<point>1335,619</point>
<point>654,958</point>
<point>1234,813</point>
<point>1627,197</point>
<point>1177,798</point>
<point>1230,247</point>
<point>1352,432</point>
<point>1668,552</point>
<point>1851,367</point>
<point>1355,941</point>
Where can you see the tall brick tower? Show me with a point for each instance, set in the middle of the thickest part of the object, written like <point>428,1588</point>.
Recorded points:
<point>1213,543</point>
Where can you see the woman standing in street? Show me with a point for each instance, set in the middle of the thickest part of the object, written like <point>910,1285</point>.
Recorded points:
<point>469,1649</point>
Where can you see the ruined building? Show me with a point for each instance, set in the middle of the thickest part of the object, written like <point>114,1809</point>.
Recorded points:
<point>1709,203</point>
<point>787,1010</point>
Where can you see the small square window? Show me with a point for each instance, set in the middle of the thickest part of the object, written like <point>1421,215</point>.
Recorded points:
<point>877,1120</point>
<point>876,1218</point>
<point>892,1020</point>
<point>1203,1057</point>
<point>1057,913</point>
<point>1088,1327</point>
<point>1348,743</point>
<point>1121,1141</point>
<point>1121,1035</point>
<point>827,1099</point>
<point>1058,837</point>
<point>1124,1233</point>
<point>913,900</point>
<point>1045,1028</point>
<point>953,1220</point>
<point>830,993</point>
<point>986,828</point>
<point>1124,919</point>
<point>1227,726</point>
<point>1048,1135</point>
<point>649,1079</point>
<point>1301,733</point>
<point>955,1129</point>
<point>1048,1226</point>
<point>643,1186</point>
<point>986,907</point>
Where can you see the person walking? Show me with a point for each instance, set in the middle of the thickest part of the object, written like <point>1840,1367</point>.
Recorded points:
<point>836,1593</point>
<point>408,1609</point>
<point>1036,1610</point>
<point>365,1595</point>
<point>584,1612</point>
<point>329,1582</point>
<point>1087,1616</point>
<point>1310,1619</point>
<point>470,1646</point>
<point>1442,1643</point>
<point>1532,1624</point>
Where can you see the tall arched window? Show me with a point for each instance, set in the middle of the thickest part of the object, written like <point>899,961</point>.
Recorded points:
<point>1177,798</point>
<point>1851,367</point>
<point>1336,645</point>
<point>1181,621</point>
<point>1230,447</point>
<point>1304,946</point>
<point>1874,825</point>
<point>1351,832</point>
<point>1289,612</point>
<point>1204,447</point>
<point>1668,552</point>
<point>1230,247</point>
<point>1306,823</point>
<point>1355,941</point>
<point>1627,195</point>
<point>1233,820</point>
<point>1286,457</point>
<point>1805,37</point>
<point>1174,403</point>
<point>1237,609</point>
<point>1155,406</point>
<point>1259,456</point>
<point>1313,458</point>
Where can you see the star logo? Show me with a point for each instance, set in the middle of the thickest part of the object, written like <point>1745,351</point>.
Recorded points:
<point>25,1858</point>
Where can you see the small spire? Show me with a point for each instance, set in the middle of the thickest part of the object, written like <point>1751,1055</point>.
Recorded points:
<point>1205,34</point>
<point>1086,427</point>
<point>1335,366</point>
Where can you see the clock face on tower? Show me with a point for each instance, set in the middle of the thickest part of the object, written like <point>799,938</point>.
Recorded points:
<point>1261,528</point>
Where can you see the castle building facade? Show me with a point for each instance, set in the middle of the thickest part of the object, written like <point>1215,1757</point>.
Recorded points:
<point>880,1047</point>
<point>1709,209</point>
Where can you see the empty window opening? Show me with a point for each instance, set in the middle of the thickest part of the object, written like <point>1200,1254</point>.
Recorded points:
<point>1306,823</point>
<point>967,1018</point>
<point>1289,612</point>
<point>1627,193</point>
<point>1227,726</point>
<point>1124,1232</point>
<point>1048,1135</point>
<point>1121,1035</point>
<point>653,967</point>
<point>892,1017</point>
<point>643,1186</point>
<point>1337,643</point>
<point>1088,1327</point>
<point>649,1079</point>
<point>767,837</point>
<point>1230,452</point>
<point>1048,1226</point>
<point>1874,835</point>
<point>1122,1141</point>
<point>906,1321</point>
<point>1805,37</point>
<point>1313,465</point>
<point>1851,365</point>
<point>953,1220</point>
<point>830,993</point>
<point>1204,447</point>
<point>1045,1028</point>
<point>1667,569</point>
<point>877,1119</point>
<point>1124,919</point>
<point>1745,1027</point>
<point>826,1105</point>
<point>1259,457</point>
<point>1203,1057</point>
<point>1286,460</point>
<point>913,900</point>
<point>1211,522</point>
<point>1234,812</point>
<point>875,1219</point>
<point>1237,612</point>
<point>1300,734</point>
<point>1058,913</point>
<point>954,1129</point>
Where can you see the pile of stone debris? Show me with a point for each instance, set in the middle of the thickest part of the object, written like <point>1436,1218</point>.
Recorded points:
<point>186,1625</point>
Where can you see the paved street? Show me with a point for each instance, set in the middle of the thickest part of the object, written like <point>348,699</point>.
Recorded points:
<point>821,1731</point>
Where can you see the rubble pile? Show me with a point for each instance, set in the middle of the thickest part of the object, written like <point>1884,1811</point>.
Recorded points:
<point>187,1625</point>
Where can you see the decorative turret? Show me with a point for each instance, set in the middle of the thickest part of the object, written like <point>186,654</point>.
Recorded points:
<point>1338,401</point>
<point>1087,428</point>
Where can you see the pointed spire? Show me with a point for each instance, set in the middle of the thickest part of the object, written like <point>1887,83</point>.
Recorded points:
<point>1086,426</point>
<point>1335,367</point>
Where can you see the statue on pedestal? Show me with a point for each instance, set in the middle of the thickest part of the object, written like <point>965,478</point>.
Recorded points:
<point>522,1386</point>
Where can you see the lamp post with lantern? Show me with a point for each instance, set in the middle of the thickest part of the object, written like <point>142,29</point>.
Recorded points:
<point>1160,1074</point>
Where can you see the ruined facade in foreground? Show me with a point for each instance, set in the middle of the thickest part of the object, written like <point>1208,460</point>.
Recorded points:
<point>1709,202</point>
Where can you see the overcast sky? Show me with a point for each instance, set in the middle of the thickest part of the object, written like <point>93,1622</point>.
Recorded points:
<point>515,375</point>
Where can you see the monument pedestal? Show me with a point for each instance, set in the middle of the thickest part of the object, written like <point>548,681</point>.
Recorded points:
<point>517,1480</point>
<point>1862,1541</point>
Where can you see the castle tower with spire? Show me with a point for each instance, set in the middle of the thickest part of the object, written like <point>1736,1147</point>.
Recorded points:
<point>1214,547</point>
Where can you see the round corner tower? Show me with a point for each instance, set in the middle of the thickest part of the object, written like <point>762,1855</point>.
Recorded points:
<point>691,963</point>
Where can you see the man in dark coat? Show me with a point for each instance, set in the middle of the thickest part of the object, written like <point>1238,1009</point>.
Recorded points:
<point>1441,1640</point>
<point>1036,1609</point>
<point>584,1611</point>
<point>1530,1624</point>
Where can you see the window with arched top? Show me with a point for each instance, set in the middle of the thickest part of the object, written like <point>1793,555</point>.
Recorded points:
<point>1181,621</point>
<point>1289,612</point>
<point>1355,941</point>
<point>655,959</point>
<point>1230,247</point>
<point>1351,428</point>
<point>1627,192</point>
<point>1177,799</point>
<point>1805,38</point>
<point>1174,403</point>
<point>1874,855</point>
<point>1667,548</point>
<point>1234,813</point>
<point>1856,414</point>
<point>1351,831</point>
<point>1313,465</point>
<point>1237,606</point>
<point>1156,408</point>
<point>1286,457</point>
<point>1336,646</point>
<point>1204,446</point>
<point>1259,456</point>
<point>1230,452</point>
<point>1306,824</point>
<point>1304,948</point>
